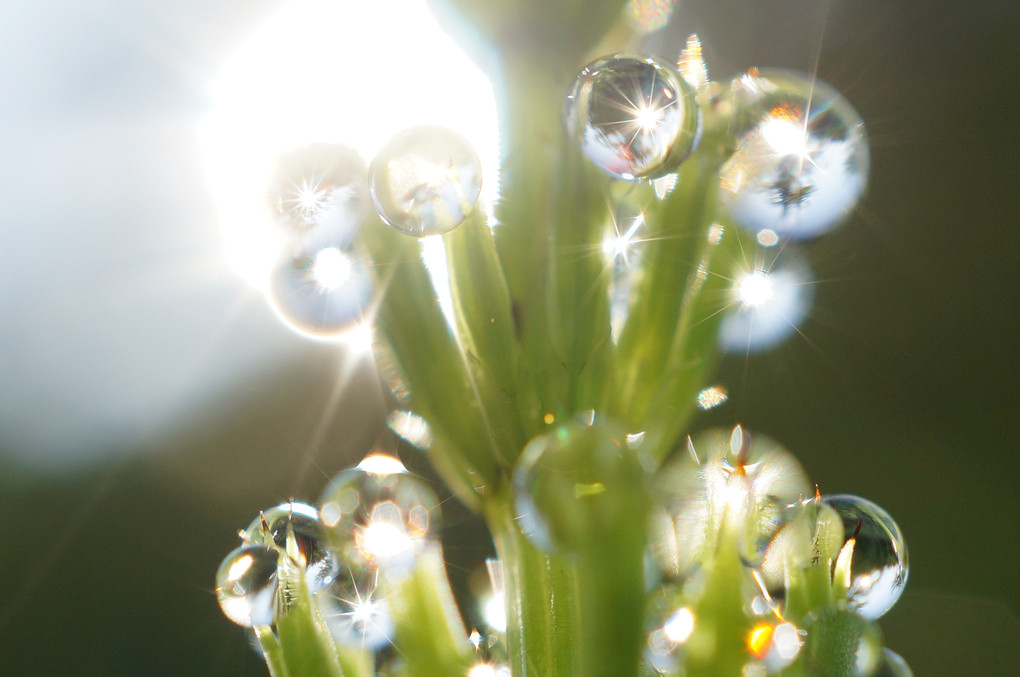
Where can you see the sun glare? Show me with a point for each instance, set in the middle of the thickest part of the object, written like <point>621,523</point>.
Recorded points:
<point>334,71</point>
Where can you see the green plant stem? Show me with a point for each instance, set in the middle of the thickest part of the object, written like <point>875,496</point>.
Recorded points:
<point>717,645</point>
<point>275,661</point>
<point>429,633</point>
<point>541,596</point>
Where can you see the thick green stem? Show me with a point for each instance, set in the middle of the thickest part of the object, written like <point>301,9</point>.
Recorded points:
<point>541,596</point>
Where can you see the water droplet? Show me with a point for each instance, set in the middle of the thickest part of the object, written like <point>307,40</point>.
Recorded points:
<point>635,116</point>
<point>893,665</point>
<point>356,611</point>
<point>575,483</point>
<point>802,164</point>
<point>812,537</point>
<point>379,515</point>
<point>246,584</point>
<point>770,299</point>
<point>669,623</point>
<point>320,187</point>
<point>426,180</point>
<point>320,289</point>
<point>411,427</point>
<point>878,565</point>
<point>270,528</point>
<point>727,487</point>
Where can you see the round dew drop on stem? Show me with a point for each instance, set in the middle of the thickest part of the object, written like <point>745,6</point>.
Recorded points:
<point>725,485</point>
<point>379,516</point>
<point>769,300</point>
<point>877,552</point>
<point>634,116</point>
<point>319,188</point>
<point>426,180</point>
<point>320,289</point>
<point>272,527</point>
<point>246,585</point>
<point>356,611</point>
<point>801,165</point>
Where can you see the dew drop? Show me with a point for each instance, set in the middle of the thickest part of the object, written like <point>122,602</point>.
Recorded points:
<point>425,180</point>
<point>356,611</point>
<point>320,187</point>
<point>802,164</point>
<point>720,490</point>
<point>575,483</point>
<point>769,300</point>
<point>271,527</point>
<point>379,516</point>
<point>320,289</point>
<point>878,564</point>
<point>636,118</point>
<point>246,584</point>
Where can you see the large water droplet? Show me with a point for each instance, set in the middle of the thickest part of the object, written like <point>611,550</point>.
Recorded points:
<point>271,527</point>
<point>879,564</point>
<point>576,483</point>
<point>320,187</point>
<point>246,585</point>
<point>356,611</point>
<point>379,515</point>
<point>802,164</point>
<point>727,483</point>
<point>425,180</point>
<point>320,289</point>
<point>635,117</point>
<point>769,300</point>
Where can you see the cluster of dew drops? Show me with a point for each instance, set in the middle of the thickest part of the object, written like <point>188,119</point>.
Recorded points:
<point>799,167</point>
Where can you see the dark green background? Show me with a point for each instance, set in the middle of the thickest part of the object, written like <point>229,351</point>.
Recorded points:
<point>903,388</point>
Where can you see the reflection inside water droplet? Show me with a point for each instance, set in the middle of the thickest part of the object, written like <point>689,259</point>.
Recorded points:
<point>320,290</point>
<point>271,528</point>
<point>355,610</point>
<point>379,515</point>
<point>426,180</point>
<point>879,565</point>
<point>635,117</point>
<point>802,164</point>
<point>246,585</point>
<point>770,299</point>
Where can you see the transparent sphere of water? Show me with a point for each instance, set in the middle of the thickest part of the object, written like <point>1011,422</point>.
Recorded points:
<point>726,484</point>
<point>879,566</point>
<point>379,516</point>
<point>576,484</point>
<point>246,584</point>
<point>802,164</point>
<point>356,611</point>
<point>635,117</point>
<point>425,180</point>
<point>302,520</point>
<point>320,288</point>
<point>769,300</point>
<point>320,187</point>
